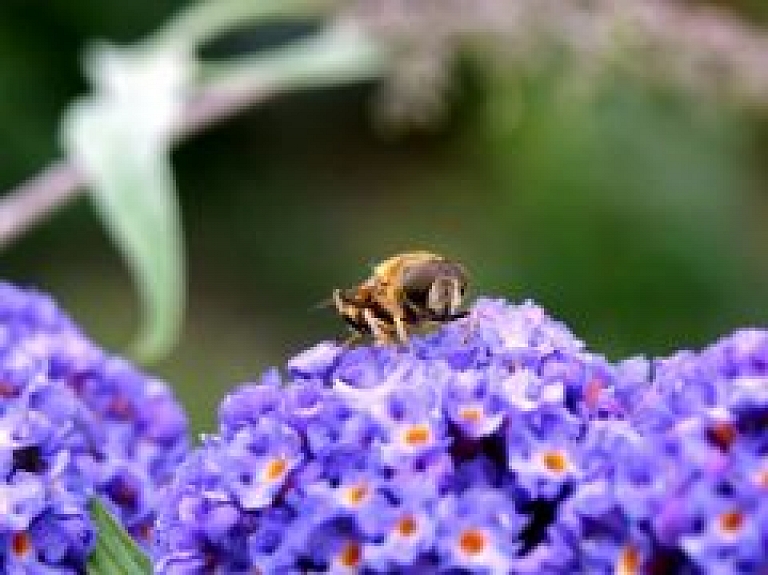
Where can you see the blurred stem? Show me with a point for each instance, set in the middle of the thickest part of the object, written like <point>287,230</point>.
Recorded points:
<point>36,199</point>
<point>33,201</point>
<point>205,20</point>
<point>339,55</point>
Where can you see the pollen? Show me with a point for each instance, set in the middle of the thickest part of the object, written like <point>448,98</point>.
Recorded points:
<point>731,521</point>
<point>418,434</point>
<point>7,391</point>
<point>592,392</point>
<point>145,532</point>
<point>21,544</point>
<point>629,561</point>
<point>473,414</point>
<point>356,494</point>
<point>722,434</point>
<point>555,461</point>
<point>351,555</point>
<point>121,408</point>
<point>406,526</point>
<point>472,542</point>
<point>275,469</point>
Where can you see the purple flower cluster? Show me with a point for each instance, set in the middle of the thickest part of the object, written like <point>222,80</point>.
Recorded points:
<point>74,421</point>
<point>495,445</point>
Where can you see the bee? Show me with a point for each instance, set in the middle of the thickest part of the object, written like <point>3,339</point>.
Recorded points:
<point>411,289</point>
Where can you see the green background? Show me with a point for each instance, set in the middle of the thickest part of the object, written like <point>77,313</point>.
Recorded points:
<point>637,215</point>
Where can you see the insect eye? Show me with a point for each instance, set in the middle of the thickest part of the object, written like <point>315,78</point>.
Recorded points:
<point>418,282</point>
<point>417,296</point>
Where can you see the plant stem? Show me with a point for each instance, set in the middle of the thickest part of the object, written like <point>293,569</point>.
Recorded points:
<point>33,201</point>
<point>338,55</point>
<point>207,19</point>
<point>334,57</point>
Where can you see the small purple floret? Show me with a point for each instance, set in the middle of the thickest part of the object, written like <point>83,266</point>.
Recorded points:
<point>498,444</point>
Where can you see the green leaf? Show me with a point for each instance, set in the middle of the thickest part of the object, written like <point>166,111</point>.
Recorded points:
<point>120,136</point>
<point>115,551</point>
<point>204,20</point>
<point>337,55</point>
<point>138,206</point>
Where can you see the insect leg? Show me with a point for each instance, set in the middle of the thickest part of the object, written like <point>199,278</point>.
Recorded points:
<point>470,324</point>
<point>379,334</point>
<point>402,334</point>
<point>354,338</point>
<point>337,301</point>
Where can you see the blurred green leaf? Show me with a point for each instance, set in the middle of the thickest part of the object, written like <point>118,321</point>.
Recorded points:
<point>121,137</point>
<point>138,205</point>
<point>341,54</point>
<point>623,197</point>
<point>115,551</point>
<point>203,21</point>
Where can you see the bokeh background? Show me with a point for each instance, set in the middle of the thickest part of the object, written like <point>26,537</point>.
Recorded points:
<point>633,211</point>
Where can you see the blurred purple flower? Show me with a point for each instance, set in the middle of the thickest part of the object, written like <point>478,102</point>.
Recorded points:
<point>74,422</point>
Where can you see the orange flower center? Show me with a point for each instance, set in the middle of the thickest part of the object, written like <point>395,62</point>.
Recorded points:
<point>145,532</point>
<point>406,526</point>
<point>555,461</point>
<point>6,390</point>
<point>722,434</point>
<point>731,521</point>
<point>629,561</point>
<point>351,555</point>
<point>357,493</point>
<point>472,414</point>
<point>762,479</point>
<point>417,435</point>
<point>121,408</point>
<point>21,544</point>
<point>275,469</point>
<point>472,541</point>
